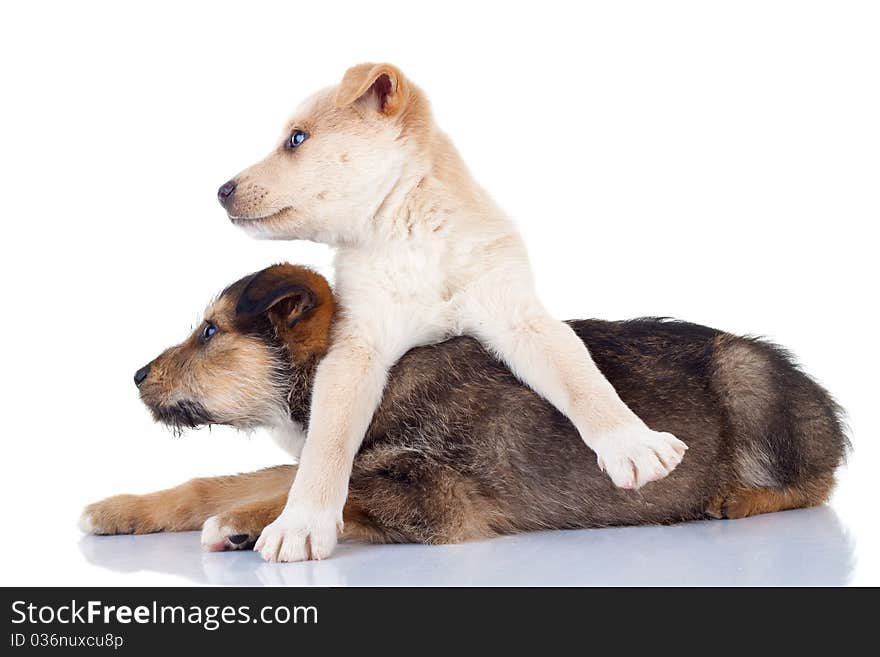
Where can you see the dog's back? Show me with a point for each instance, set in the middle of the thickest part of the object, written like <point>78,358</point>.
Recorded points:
<point>459,449</point>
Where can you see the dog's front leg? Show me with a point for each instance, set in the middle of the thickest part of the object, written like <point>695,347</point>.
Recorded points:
<point>549,357</point>
<point>184,507</point>
<point>347,389</point>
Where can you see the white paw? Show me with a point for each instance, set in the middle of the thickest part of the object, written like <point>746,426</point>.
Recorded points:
<point>300,534</point>
<point>636,456</point>
<point>216,538</point>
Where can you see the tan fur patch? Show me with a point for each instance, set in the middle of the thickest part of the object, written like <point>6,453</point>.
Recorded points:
<point>740,362</point>
<point>742,503</point>
<point>185,507</point>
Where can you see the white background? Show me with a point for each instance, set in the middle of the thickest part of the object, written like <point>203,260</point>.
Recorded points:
<point>717,162</point>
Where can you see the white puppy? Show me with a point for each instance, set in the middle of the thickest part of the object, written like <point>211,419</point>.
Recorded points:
<point>423,253</point>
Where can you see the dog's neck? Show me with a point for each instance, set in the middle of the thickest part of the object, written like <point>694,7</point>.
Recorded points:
<point>433,192</point>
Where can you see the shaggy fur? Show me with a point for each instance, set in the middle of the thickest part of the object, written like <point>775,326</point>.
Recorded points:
<point>460,450</point>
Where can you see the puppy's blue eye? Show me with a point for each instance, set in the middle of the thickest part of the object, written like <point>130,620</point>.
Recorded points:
<point>296,138</point>
<point>208,332</point>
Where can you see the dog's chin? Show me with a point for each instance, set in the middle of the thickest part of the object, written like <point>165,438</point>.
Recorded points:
<point>182,415</point>
<point>264,226</point>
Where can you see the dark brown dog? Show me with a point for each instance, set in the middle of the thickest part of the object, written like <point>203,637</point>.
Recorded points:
<point>460,450</point>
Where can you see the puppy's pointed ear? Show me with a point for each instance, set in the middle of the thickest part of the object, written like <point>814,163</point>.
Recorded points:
<point>382,86</point>
<point>274,291</point>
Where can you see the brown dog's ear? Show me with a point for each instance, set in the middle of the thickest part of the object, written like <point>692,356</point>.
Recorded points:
<point>287,299</point>
<point>381,85</point>
<point>297,301</point>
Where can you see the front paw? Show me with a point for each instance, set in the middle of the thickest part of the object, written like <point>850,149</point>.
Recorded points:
<point>300,534</point>
<point>121,514</point>
<point>226,532</point>
<point>636,456</point>
<point>220,533</point>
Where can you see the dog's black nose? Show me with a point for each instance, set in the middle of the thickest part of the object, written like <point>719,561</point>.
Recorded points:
<point>225,192</point>
<point>141,374</point>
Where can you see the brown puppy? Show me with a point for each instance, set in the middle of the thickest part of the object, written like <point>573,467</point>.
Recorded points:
<point>460,450</point>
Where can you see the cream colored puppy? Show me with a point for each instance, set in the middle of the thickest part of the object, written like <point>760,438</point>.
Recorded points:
<point>423,253</point>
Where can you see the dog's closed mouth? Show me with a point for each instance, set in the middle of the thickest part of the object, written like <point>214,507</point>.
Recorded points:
<point>182,415</point>
<point>252,220</point>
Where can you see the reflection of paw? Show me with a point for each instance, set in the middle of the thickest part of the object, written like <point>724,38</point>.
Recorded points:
<point>122,514</point>
<point>636,456</point>
<point>299,535</point>
<point>219,534</point>
<point>309,573</point>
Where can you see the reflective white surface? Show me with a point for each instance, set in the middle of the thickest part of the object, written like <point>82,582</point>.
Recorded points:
<point>805,547</point>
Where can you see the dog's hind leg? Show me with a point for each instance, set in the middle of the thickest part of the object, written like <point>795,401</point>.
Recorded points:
<point>185,507</point>
<point>745,502</point>
<point>784,432</point>
<point>404,494</point>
